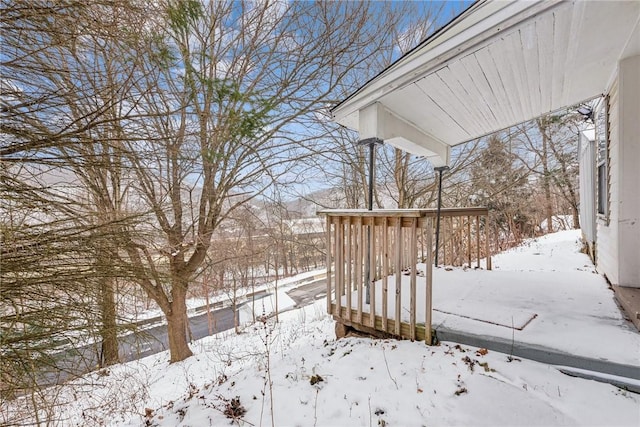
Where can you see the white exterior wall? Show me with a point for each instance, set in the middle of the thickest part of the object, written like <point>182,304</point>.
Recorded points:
<point>607,228</point>
<point>618,236</point>
<point>587,161</point>
<point>629,165</point>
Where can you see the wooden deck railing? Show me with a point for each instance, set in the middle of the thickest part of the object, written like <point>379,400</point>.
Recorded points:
<point>370,252</point>
<point>464,237</point>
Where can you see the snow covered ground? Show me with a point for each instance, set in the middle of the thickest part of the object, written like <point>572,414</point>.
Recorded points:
<point>550,277</point>
<point>545,289</point>
<point>296,374</point>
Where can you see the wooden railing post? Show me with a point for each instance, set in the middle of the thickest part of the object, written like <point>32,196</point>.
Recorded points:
<point>349,261</point>
<point>478,239</point>
<point>429,283</point>
<point>398,273</point>
<point>385,272</point>
<point>372,272</point>
<point>360,262</point>
<point>413,256</point>
<point>329,262</point>
<point>468,241</point>
<point>339,264</point>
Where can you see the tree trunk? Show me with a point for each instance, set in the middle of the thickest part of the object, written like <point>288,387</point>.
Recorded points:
<point>546,177</point>
<point>568,190</point>
<point>205,284</point>
<point>399,175</point>
<point>108,330</point>
<point>276,289</point>
<point>234,307</point>
<point>285,264</point>
<point>177,323</point>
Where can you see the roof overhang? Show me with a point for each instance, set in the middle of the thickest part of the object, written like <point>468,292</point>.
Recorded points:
<point>496,65</point>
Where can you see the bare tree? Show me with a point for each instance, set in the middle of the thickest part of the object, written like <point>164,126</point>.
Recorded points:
<point>399,176</point>
<point>54,249</point>
<point>227,106</point>
<point>182,111</point>
<point>549,147</point>
<point>500,183</point>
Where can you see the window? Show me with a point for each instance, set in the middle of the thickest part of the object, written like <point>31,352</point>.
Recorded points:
<point>602,141</point>
<point>602,186</point>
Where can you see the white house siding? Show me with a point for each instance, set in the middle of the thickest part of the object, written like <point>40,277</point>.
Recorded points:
<point>587,160</point>
<point>629,168</point>
<point>607,228</point>
<point>618,238</point>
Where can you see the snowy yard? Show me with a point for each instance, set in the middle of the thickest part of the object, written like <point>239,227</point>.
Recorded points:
<point>543,293</point>
<point>357,381</point>
<point>296,374</point>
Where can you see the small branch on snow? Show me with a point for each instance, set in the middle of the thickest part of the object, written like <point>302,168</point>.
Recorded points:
<point>384,354</point>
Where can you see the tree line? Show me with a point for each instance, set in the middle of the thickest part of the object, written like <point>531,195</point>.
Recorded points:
<point>136,134</point>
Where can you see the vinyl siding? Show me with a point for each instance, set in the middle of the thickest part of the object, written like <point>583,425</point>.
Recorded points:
<point>587,160</point>
<point>618,235</point>
<point>607,227</point>
<point>629,172</point>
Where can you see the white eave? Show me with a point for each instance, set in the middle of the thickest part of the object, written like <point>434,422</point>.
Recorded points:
<point>498,64</point>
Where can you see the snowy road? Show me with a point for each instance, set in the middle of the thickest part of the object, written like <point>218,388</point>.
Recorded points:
<point>307,294</point>
<point>74,362</point>
<point>78,361</point>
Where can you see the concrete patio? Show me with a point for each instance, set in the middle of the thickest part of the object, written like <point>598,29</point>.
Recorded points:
<point>543,301</point>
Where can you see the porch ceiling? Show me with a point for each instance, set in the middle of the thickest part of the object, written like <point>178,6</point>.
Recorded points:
<point>497,65</point>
